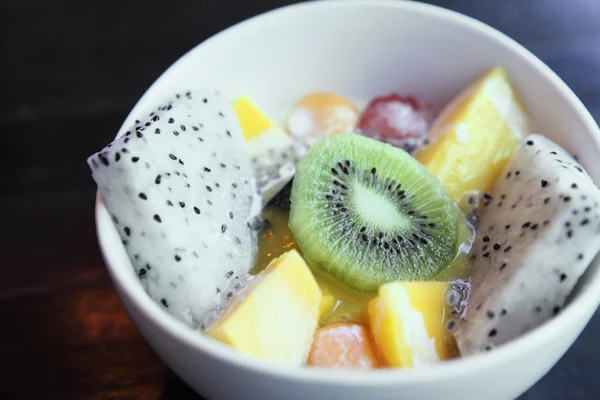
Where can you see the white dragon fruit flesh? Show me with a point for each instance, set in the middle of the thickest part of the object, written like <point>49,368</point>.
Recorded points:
<point>182,196</point>
<point>273,158</point>
<point>536,236</point>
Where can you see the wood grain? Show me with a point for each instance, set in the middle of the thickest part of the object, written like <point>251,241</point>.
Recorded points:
<point>69,74</point>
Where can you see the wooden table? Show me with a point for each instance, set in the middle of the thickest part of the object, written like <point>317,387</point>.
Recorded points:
<point>70,72</point>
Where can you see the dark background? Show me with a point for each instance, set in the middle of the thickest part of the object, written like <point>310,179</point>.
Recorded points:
<point>70,72</point>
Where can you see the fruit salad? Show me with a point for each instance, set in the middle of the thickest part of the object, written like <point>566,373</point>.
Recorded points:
<point>398,235</point>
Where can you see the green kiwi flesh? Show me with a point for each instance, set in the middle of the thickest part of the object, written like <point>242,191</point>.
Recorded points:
<point>365,213</point>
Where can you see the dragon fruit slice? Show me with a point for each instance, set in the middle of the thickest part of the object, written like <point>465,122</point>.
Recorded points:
<point>181,193</point>
<point>273,157</point>
<point>537,235</point>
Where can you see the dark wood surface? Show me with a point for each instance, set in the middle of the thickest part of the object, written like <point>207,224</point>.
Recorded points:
<point>70,72</point>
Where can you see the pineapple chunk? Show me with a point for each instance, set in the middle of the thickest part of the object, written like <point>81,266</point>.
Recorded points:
<point>276,316</point>
<point>252,120</point>
<point>476,135</point>
<point>408,321</point>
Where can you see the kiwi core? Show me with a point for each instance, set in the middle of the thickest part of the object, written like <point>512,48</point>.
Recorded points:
<point>380,212</point>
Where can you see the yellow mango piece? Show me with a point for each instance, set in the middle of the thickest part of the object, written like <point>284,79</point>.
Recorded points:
<point>252,120</point>
<point>276,316</point>
<point>476,135</point>
<point>408,323</point>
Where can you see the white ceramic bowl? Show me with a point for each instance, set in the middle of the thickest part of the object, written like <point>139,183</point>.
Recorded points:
<point>360,49</point>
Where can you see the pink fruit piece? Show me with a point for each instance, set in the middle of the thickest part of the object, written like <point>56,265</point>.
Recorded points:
<point>399,120</point>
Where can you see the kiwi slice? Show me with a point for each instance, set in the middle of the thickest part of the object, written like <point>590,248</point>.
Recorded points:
<point>365,212</point>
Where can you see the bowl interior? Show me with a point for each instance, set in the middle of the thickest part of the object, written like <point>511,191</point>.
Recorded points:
<point>360,49</point>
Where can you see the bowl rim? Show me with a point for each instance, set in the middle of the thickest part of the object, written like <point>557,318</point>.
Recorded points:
<point>177,331</point>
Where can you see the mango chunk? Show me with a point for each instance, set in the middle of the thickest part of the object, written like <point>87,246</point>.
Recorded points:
<point>343,345</point>
<point>409,324</point>
<point>253,120</point>
<point>476,135</point>
<point>276,316</point>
